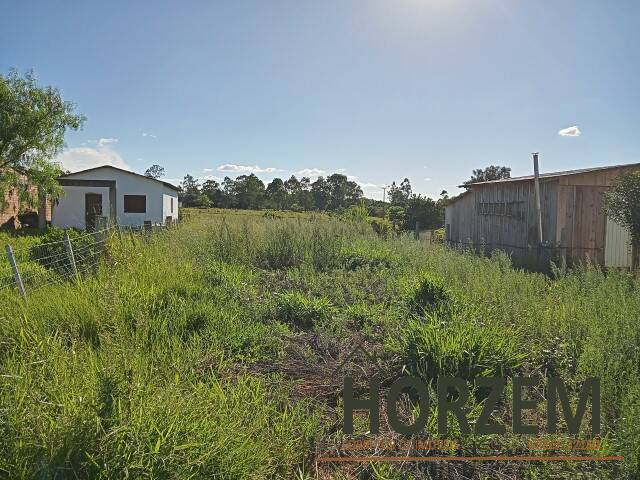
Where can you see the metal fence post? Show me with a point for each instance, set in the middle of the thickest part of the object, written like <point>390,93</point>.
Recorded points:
<point>16,272</point>
<point>72,258</point>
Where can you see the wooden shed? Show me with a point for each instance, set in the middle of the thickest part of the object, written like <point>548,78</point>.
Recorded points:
<point>501,214</point>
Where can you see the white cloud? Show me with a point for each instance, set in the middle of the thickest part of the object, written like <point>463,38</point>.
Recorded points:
<point>570,132</point>
<point>80,158</point>
<point>352,178</point>
<point>310,172</point>
<point>207,170</point>
<point>147,134</point>
<point>341,170</point>
<point>427,179</point>
<point>106,141</point>
<point>231,168</point>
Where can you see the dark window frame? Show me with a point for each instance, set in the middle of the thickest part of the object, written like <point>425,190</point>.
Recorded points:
<point>136,207</point>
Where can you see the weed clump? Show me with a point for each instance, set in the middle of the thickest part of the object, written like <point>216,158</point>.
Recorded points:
<point>459,349</point>
<point>299,311</point>
<point>430,295</point>
<point>363,257</point>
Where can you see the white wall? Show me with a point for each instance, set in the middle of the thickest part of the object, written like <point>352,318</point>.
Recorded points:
<point>70,208</point>
<point>158,198</point>
<point>166,206</point>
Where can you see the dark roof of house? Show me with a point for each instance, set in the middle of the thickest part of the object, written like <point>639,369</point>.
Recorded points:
<point>166,184</point>
<point>551,174</point>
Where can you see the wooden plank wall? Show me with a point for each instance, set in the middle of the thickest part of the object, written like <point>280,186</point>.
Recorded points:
<point>573,220</point>
<point>581,225</point>
<point>514,232</point>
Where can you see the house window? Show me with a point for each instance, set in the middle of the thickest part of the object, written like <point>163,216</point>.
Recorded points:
<point>135,204</point>
<point>171,204</point>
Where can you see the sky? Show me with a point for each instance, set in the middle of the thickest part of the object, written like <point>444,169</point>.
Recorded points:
<point>378,90</point>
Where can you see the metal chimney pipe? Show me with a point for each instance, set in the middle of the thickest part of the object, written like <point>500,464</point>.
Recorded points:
<point>536,179</point>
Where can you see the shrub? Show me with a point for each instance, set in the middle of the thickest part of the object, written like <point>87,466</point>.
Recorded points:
<point>300,311</point>
<point>430,295</point>
<point>382,226</point>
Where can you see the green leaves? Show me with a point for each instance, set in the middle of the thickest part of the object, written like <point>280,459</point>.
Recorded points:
<point>33,123</point>
<point>622,203</point>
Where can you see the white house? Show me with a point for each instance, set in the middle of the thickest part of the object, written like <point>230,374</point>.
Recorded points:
<point>124,197</point>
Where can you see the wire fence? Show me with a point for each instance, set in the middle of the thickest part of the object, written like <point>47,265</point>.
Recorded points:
<point>69,258</point>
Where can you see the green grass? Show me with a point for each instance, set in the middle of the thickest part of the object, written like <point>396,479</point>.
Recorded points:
<point>167,362</point>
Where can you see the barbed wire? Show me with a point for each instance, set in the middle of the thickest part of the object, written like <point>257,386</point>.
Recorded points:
<point>50,263</point>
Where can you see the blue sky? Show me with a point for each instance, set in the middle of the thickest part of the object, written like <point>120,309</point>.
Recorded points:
<point>378,89</point>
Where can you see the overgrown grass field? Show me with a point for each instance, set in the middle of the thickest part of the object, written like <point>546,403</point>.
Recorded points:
<point>207,350</point>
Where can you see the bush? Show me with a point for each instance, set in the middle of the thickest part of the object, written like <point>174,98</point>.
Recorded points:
<point>382,226</point>
<point>301,312</point>
<point>430,295</point>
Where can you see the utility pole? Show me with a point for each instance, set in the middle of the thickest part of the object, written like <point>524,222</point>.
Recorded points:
<point>536,179</point>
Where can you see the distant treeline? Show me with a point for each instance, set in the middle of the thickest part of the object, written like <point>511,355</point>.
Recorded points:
<point>335,193</point>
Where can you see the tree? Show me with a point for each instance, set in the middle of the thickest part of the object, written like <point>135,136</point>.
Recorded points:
<point>492,172</point>
<point>427,212</point>
<point>400,195</point>
<point>320,193</point>
<point>277,193</point>
<point>154,171</point>
<point>405,188</point>
<point>214,193</point>
<point>249,192</point>
<point>190,194</point>
<point>342,192</point>
<point>33,124</point>
<point>622,204</point>
<point>305,197</point>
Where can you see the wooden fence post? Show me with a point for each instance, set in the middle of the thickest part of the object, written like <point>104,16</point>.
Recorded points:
<point>16,272</point>
<point>417,232</point>
<point>72,258</point>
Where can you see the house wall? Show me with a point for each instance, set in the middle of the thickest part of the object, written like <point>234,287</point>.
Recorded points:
<point>158,196</point>
<point>167,211</point>
<point>69,210</point>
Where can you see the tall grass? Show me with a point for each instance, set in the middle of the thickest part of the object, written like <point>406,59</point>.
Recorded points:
<point>145,368</point>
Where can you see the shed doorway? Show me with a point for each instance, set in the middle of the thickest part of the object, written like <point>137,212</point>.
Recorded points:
<point>92,209</point>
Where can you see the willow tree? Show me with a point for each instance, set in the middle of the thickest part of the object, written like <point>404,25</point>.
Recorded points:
<point>33,122</point>
<point>622,204</point>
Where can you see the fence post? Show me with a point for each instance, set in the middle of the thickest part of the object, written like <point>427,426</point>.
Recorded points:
<point>72,258</point>
<point>417,232</point>
<point>16,272</point>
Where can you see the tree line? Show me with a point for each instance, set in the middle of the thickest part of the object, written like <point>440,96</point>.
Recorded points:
<point>335,193</point>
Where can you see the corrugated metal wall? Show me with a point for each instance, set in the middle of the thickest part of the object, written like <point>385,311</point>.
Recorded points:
<point>617,251</point>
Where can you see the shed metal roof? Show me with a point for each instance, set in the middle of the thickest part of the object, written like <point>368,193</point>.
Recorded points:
<point>551,174</point>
